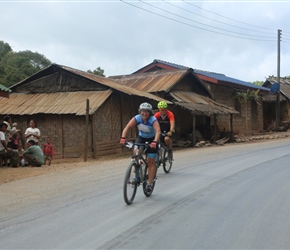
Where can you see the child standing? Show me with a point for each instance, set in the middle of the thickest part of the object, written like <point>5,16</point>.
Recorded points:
<point>48,151</point>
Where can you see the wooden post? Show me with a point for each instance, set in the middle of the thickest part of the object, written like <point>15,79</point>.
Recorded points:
<point>232,130</point>
<point>215,126</point>
<point>193,130</point>
<point>87,130</point>
<point>61,136</point>
<point>94,125</point>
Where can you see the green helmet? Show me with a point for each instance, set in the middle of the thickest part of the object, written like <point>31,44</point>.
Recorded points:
<point>162,105</point>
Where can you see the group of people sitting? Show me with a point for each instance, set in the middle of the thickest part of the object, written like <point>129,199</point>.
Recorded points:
<point>11,150</point>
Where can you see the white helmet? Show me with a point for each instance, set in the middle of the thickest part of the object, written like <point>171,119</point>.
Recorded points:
<point>145,106</point>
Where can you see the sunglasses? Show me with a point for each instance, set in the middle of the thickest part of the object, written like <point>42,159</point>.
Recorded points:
<point>144,110</point>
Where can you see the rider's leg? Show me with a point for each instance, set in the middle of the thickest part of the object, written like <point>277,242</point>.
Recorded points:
<point>168,142</point>
<point>151,169</point>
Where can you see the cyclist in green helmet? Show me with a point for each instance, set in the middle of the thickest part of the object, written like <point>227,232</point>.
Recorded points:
<point>167,124</point>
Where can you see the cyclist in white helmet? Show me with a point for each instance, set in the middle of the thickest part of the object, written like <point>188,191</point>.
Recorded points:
<point>149,131</point>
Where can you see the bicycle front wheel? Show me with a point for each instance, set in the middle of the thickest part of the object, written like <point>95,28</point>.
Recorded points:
<point>130,183</point>
<point>167,162</point>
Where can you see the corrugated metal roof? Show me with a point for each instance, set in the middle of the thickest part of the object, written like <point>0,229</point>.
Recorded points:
<point>156,81</point>
<point>3,88</point>
<point>114,85</point>
<point>54,103</point>
<point>200,104</point>
<point>284,85</point>
<point>217,76</point>
<point>174,65</point>
<point>99,79</point>
<point>224,78</point>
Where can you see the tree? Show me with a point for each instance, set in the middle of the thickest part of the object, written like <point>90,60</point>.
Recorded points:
<point>245,96</point>
<point>4,49</point>
<point>259,83</point>
<point>98,71</point>
<point>16,66</point>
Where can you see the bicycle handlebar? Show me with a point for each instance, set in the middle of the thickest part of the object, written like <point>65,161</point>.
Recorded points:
<point>164,133</point>
<point>130,144</point>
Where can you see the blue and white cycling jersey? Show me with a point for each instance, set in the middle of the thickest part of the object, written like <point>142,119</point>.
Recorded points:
<point>145,130</point>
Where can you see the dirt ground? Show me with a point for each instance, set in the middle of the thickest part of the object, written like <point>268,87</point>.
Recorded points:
<point>9,174</point>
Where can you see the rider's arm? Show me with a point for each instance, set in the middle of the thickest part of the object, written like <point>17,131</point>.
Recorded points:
<point>131,124</point>
<point>172,127</point>
<point>156,127</point>
<point>172,121</point>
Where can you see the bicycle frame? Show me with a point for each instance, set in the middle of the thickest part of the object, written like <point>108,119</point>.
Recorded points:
<point>162,153</point>
<point>141,162</point>
<point>136,174</point>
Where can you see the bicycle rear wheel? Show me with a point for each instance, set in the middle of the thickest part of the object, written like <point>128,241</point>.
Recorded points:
<point>146,193</point>
<point>167,162</point>
<point>131,183</point>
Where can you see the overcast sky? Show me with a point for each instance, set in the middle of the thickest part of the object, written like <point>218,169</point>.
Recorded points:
<point>235,38</point>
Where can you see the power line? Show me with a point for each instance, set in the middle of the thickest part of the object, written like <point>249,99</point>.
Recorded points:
<point>175,20</point>
<point>288,36</point>
<point>227,17</point>
<point>285,40</point>
<point>287,33</point>
<point>215,19</point>
<point>188,19</point>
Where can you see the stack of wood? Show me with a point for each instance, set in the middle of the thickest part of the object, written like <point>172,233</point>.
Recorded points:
<point>222,141</point>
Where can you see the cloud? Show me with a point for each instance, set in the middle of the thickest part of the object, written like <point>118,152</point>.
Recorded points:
<point>121,38</point>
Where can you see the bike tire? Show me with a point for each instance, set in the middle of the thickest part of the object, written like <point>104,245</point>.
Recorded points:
<point>146,193</point>
<point>162,155</point>
<point>167,163</point>
<point>130,183</point>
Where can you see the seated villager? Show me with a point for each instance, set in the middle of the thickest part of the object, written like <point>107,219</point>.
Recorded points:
<point>33,154</point>
<point>14,137</point>
<point>20,152</point>
<point>6,152</point>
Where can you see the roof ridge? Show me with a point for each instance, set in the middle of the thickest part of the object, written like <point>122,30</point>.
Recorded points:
<point>210,72</point>
<point>179,65</point>
<point>169,63</point>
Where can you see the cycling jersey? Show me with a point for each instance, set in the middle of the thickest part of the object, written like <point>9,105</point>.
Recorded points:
<point>146,130</point>
<point>165,123</point>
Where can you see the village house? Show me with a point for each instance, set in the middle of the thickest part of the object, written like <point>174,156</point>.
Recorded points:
<point>195,110</point>
<point>57,96</point>
<point>244,97</point>
<point>270,103</point>
<point>4,91</point>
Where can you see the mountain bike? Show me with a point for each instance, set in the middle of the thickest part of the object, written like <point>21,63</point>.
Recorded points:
<point>163,157</point>
<point>137,173</point>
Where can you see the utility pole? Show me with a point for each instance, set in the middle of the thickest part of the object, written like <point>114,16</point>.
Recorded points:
<point>278,82</point>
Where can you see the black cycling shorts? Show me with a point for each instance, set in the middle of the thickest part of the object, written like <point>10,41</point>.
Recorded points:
<point>140,139</point>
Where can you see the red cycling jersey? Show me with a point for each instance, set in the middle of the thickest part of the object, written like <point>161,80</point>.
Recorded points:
<point>165,123</point>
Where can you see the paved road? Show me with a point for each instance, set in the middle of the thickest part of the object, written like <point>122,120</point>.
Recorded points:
<point>227,197</point>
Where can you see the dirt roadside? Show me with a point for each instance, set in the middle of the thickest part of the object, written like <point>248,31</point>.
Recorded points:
<point>9,174</point>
